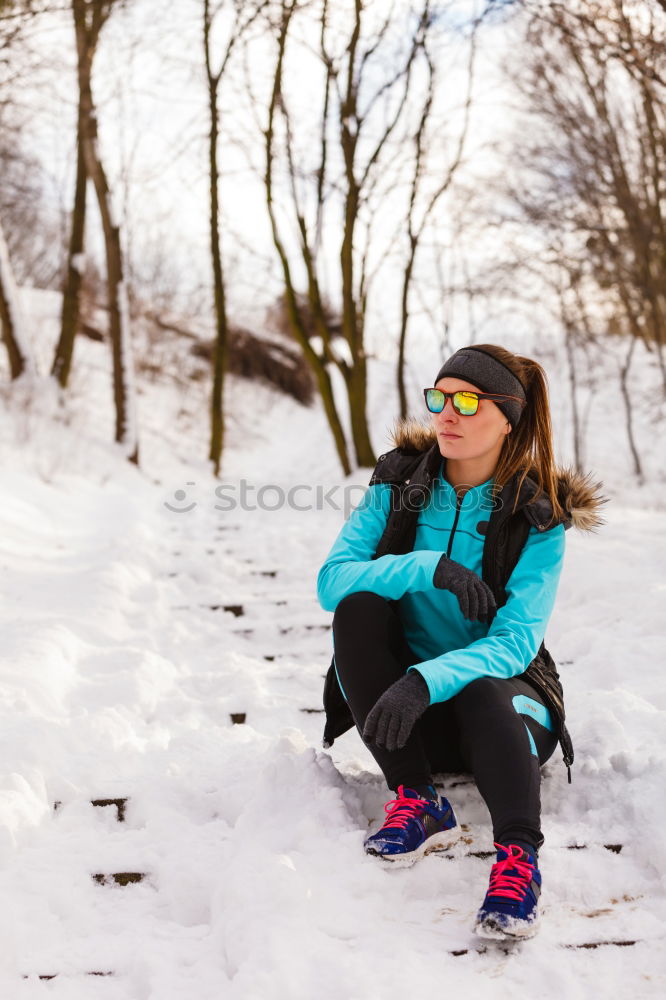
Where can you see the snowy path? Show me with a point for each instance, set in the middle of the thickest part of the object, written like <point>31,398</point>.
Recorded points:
<point>120,671</point>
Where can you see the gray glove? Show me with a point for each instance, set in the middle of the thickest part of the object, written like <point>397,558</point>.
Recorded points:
<point>475,597</point>
<point>391,720</point>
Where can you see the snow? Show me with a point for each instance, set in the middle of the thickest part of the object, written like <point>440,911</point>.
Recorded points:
<point>341,350</point>
<point>120,670</point>
<point>317,345</point>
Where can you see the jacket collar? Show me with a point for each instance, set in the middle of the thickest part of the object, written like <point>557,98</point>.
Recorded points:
<point>580,497</point>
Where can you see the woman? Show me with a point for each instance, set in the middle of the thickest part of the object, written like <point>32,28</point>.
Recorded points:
<point>442,582</point>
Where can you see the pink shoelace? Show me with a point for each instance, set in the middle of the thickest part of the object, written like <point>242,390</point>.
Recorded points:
<point>512,886</point>
<point>402,809</point>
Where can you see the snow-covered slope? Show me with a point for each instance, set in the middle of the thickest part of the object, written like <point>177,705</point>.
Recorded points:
<point>134,627</point>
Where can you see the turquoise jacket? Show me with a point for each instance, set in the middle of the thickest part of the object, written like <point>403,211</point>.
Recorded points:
<point>453,650</point>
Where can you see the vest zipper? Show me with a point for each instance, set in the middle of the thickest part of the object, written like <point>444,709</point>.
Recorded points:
<point>459,501</point>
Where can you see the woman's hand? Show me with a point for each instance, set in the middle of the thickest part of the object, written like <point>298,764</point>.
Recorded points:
<point>391,720</point>
<point>475,597</point>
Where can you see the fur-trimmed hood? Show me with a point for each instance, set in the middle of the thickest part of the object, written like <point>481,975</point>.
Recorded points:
<point>578,494</point>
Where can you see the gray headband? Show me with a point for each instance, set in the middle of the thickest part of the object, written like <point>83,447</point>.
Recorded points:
<point>472,364</point>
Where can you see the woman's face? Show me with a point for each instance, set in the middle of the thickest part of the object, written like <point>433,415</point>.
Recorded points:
<point>479,436</point>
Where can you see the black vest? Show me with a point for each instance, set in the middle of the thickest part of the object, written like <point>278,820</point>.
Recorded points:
<point>410,475</point>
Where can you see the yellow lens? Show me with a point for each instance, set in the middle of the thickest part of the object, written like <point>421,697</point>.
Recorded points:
<point>466,403</point>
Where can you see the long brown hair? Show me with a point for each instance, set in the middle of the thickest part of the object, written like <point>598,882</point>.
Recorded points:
<point>528,449</point>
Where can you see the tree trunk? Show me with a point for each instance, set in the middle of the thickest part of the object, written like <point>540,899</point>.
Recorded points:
<point>221,338</point>
<point>573,386</point>
<point>352,328</point>
<point>624,375</point>
<point>71,296</point>
<point>11,318</point>
<point>357,390</point>
<point>118,303</point>
<point>221,321</point>
<point>404,318</point>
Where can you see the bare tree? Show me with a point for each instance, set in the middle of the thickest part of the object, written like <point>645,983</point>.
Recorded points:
<point>364,106</point>
<point>14,331</point>
<point>71,295</point>
<point>317,360</point>
<point>244,15</point>
<point>596,81</point>
<point>582,209</point>
<point>90,17</point>
<point>12,322</point>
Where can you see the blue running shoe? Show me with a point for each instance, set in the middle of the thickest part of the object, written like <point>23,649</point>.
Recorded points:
<point>510,907</point>
<point>414,827</point>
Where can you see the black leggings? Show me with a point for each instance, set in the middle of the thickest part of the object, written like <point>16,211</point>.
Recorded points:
<point>487,730</point>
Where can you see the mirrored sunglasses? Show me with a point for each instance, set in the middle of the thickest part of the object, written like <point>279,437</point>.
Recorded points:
<point>465,403</point>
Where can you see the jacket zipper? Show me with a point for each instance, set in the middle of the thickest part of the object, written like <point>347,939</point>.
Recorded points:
<point>459,501</point>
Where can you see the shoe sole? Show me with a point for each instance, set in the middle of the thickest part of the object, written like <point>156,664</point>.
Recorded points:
<point>492,930</point>
<point>433,845</point>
